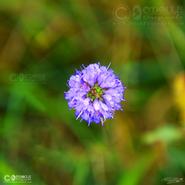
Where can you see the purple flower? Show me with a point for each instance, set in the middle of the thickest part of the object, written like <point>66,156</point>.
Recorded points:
<point>95,93</point>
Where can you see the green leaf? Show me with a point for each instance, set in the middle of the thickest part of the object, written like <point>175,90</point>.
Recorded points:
<point>134,175</point>
<point>166,134</point>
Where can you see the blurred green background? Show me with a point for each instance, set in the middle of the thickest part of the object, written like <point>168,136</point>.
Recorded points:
<point>42,43</point>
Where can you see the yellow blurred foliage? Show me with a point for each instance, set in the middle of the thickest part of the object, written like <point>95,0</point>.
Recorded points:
<point>179,94</point>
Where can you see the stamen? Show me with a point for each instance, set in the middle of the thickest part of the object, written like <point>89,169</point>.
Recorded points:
<point>102,121</point>
<point>79,115</point>
<point>108,66</point>
<point>95,92</point>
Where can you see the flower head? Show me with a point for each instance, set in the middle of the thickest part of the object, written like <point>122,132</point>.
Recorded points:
<point>95,93</point>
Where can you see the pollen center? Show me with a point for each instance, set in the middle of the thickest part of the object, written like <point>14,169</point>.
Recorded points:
<point>95,92</point>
